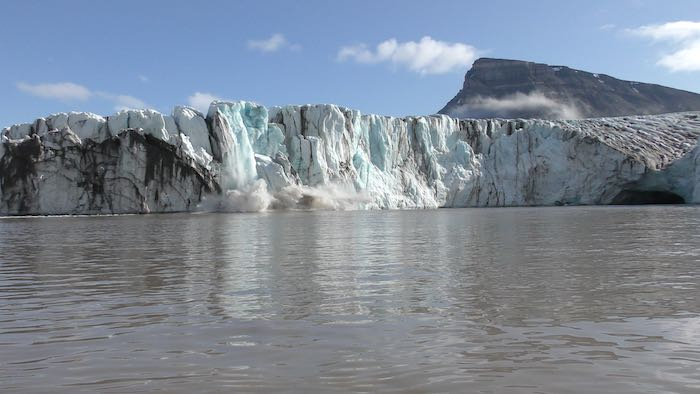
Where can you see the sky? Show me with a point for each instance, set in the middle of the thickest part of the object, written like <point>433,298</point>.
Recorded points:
<point>385,57</point>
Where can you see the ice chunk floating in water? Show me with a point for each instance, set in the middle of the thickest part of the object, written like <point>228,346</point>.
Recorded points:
<point>243,156</point>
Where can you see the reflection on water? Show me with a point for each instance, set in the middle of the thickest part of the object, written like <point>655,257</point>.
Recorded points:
<point>495,300</point>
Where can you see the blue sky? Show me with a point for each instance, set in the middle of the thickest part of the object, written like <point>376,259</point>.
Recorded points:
<point>385,57</point>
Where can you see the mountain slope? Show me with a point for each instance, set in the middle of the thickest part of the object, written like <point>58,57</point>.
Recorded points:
<point>519,89</point>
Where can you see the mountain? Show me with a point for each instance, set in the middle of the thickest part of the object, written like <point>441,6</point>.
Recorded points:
<point>245,157</point>
<point>518,89</point>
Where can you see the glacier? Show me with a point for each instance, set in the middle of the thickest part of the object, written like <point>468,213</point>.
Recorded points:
<point>242,156</point>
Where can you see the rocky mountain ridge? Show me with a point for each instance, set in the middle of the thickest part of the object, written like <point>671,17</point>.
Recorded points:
<point>519,89</point>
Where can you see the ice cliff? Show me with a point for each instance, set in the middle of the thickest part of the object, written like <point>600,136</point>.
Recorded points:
<point>243,156</point>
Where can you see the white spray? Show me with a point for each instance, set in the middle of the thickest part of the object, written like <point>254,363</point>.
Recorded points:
<point>241,123</point>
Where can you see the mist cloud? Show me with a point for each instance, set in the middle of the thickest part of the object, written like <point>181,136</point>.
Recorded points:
<point>519,105</point>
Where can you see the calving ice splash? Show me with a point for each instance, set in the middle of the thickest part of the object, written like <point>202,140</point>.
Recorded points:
<point>244,157</point>
<point>258,171</point>
<point>255,197</point>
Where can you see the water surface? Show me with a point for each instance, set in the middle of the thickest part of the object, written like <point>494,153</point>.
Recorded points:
<point>551,300</point>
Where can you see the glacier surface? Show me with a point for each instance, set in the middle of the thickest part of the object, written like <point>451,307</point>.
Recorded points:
<point>242,156</point>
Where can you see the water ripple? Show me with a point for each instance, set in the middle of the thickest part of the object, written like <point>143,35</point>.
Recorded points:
<point>592,300</point>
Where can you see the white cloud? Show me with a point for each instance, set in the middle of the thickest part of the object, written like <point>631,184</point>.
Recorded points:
<point>64,91</point>
<point>273,44</point>
<point>427,56</point>
<point>670,31</point>
<point>69,91</point>
<point>533,104</point>
<point>143,78</point>
<point>122,101</point>
<point>684,40</point>
<point>200,101</point>
<point>684,59</point>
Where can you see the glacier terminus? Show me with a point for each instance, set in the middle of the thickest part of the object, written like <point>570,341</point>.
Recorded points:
<point>242,156</point>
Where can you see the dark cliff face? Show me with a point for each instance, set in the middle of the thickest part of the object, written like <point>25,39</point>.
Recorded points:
<point>57,173</point>
<point>518,89</point>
